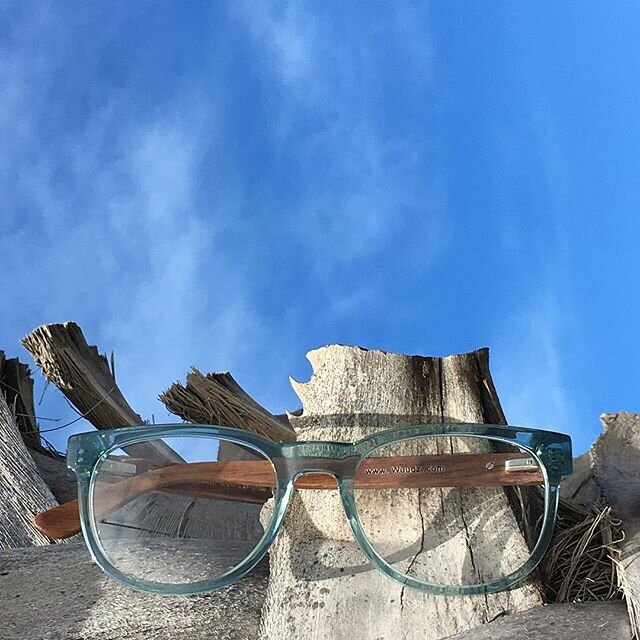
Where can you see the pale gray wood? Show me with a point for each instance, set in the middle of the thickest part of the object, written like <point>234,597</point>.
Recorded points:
<point>616,463</point>
<point>320,584</point>
<point>58,593</point>
<point>581,488</point>
<point>16,384</point>
<point>84,377</point>
<point>23,494</point>
<point>587,621</point>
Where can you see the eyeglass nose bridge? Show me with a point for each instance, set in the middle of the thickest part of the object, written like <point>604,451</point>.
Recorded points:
<point>336,459</point>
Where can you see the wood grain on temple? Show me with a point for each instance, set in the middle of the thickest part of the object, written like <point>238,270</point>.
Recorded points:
<point>252,481</point>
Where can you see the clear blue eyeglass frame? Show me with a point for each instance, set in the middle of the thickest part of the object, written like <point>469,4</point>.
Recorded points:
<point>551,451</point>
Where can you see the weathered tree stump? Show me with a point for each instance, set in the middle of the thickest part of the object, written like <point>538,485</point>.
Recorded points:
<point>319,585</point>
<point>23,494</point>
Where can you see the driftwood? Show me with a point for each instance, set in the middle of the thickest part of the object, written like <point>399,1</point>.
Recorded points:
<point>82,603</point>
<point>616,466</point>
<point>16,384</point>
<point>319,587</point>
<point>81,373</point>
<point>58,593</point>
<point>581,488</point>
<point>23,494</point>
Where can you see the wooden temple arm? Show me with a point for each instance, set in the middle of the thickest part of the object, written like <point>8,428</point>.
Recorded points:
<point>252,481</point>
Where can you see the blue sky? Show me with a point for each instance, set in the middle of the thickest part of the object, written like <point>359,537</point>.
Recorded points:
<point>232,184</point>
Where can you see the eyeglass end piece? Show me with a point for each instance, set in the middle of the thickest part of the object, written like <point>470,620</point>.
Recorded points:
<point>521,464</point>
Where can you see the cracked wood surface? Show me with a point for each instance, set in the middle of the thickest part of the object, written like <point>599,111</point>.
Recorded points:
<point>320,584</point>
<point>23,493</point>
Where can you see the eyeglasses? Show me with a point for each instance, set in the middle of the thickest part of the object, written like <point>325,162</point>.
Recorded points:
<point>177,508</point>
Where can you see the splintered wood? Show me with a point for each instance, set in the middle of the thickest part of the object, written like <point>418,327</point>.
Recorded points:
<point>81,373</point>
<point>84,377</point>
<point>16,384</point>
<point>23,494</point>
<point>216,398</point>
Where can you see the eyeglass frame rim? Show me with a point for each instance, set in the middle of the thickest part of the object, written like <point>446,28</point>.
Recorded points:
<point>552,451</point>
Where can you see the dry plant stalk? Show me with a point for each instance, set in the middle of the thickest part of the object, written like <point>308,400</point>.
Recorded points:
<point>581,564</point>
<point>81,373</point>
<point>84,377</point>
<point>216,398</point>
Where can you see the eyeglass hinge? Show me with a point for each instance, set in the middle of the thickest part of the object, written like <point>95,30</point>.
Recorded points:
<point>521,464</point>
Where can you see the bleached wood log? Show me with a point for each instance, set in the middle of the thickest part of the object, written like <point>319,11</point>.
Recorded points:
<point>84,377</point>
<point>23,494</point>
<point>584,621</point>
<point>58,593</point>
<point>616,463</point>
<point>319,586</point>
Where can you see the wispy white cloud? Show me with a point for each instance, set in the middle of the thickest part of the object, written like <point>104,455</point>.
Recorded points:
<point>530,366</point>
<point>290,36</point>
<point>367,187</point>
<point>119,217</point>
<point>101,224</point>
<point>536,345</point>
